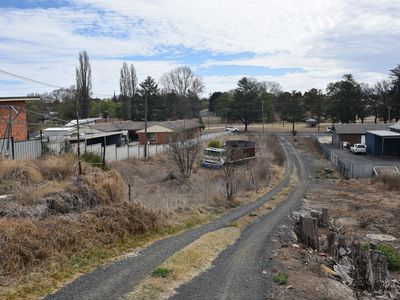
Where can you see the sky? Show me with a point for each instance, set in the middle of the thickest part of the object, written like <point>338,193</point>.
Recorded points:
<point>300,44</point>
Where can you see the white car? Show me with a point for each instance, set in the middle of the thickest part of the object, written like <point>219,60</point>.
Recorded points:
<point>232,129</point>
<point>358,148</point>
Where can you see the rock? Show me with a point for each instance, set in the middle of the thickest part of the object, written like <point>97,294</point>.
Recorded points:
<point>295,246</point>
<point>380,237</point>
<point>342,252</point>
<point>264,272</point>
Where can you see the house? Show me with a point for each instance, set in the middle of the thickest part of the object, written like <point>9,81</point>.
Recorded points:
<point>383,143</point>
<point>164,132</point>
<point>131,127</point>
<point>353,133</point>
<point>13,121</point>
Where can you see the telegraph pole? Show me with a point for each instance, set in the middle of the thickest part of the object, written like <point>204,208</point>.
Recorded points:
<point>79,142</point>
<point>145,124</point>
<point>226,117</point>
<point>262,115</point>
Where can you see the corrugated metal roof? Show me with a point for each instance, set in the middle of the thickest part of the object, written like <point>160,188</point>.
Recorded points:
<point>384,133</point>
<point>358,128</point>
<point>9,99</point>
<point>122,125</point>
<point>395,126</point>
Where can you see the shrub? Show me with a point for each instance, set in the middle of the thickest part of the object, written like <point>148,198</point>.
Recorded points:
<point>161,272</point>
<point>214,144</point>
<point>392,256</point>
<point>280,278</point>
<point>94,159</point>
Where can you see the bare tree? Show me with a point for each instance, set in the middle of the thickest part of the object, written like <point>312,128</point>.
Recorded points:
<point>383,89</point>
<point>182,82</point>
<point>183,153</point>
<point>229,177</point>
<point>124,87</point>
<point>128,86</point>
<point>132,86</point>
<point>271,87</point>
<point>83,84</point>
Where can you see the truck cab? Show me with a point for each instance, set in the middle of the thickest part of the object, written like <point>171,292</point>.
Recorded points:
<point>214,158</point>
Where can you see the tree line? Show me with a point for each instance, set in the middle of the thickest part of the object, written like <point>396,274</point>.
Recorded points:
<point>177,96</point>
<point>344,101</point>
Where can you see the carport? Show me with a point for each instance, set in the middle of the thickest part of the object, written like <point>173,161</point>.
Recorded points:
<point>383,143</point>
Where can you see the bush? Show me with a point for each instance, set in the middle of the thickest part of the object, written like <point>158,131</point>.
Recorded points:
<point>280,278</point>
<point>392,256</point>
<point>94,159</point>
<point>161,272</point>
<point>214,144</point>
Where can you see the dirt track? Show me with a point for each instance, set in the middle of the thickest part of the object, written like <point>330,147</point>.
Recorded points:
<point>238,271</point>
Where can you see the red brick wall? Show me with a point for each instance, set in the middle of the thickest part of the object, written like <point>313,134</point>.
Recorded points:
<point>19,126</point>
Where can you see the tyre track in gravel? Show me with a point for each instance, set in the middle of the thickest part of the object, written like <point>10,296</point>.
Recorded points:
<point>240,271</point>
<point>120,277</point>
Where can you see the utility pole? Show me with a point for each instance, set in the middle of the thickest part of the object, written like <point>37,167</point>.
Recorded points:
<point>226,117</point>
<point>79,141</point>
<point>145,124</point>
<point>262,115</point>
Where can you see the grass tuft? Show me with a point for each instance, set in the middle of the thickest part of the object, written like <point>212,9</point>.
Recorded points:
<point>161,272</point>
<point>280,278</point>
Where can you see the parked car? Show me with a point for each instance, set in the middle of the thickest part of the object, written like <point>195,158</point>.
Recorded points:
<point>358,148</point>
<point>232,129</point>
<point>346,145</point>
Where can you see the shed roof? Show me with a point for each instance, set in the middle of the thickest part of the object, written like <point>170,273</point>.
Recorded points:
<point>385,133</point>
<point>121,125</point>
<point>173,126</point>
<point>358,128</point>
<point>395,126</point>
<point>9,99</point>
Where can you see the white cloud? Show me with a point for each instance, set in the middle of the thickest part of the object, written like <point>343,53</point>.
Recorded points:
<point>324,38</point>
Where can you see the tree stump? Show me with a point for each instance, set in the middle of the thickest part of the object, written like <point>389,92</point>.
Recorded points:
<point>306,229</point>
<point>323,217</point>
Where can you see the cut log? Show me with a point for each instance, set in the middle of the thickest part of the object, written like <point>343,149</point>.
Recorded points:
<point>370,270</point>
<point>307,231</point>
<point>324,221</point>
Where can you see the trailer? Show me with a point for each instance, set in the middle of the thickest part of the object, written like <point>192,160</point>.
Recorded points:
<point>232,152</point>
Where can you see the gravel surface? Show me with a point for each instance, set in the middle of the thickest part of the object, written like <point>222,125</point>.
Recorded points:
<point>240,272</point>
<point>120,277</point>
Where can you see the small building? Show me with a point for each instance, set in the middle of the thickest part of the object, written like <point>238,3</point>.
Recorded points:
<point>395,127</point>
<point>311,122</point>
<point>164,132</point>
<point>383,143</point>
<point>13,121</point>
<point>353,133</point>
<point>131,127</point>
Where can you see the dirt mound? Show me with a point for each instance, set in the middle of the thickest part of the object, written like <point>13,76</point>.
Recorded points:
<point>14,174</point>
<point>27,244</point>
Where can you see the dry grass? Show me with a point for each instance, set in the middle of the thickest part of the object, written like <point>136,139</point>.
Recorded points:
<point>28,245</point>
<point>186,264</point>
<point>14,174</point>
<point>389,181</point>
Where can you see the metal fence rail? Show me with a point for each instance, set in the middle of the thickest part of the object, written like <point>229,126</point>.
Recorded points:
<point>34,149</point>
<point>349,169</point>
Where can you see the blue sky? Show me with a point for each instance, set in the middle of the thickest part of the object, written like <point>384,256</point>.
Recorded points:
<point>300,44</point>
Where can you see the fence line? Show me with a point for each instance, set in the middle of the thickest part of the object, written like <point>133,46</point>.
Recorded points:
<point>34,149</point>
<point>349,169</point>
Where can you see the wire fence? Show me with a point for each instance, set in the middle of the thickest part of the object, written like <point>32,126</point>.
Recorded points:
<point>349,169</point>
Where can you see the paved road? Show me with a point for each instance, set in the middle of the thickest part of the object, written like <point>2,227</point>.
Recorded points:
<point>238,271</point>
<point>120,277</point>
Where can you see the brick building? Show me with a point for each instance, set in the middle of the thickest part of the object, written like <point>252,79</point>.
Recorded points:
<point>13,108</point>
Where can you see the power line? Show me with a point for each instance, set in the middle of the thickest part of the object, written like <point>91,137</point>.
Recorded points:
<point>43,83</point>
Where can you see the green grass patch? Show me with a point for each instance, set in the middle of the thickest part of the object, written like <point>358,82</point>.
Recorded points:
<point>393,257</point>
<point>95,160</point>
<point>280,278</point>
<point>161,272</point>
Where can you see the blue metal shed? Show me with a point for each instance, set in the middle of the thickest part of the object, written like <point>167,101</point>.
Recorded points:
<point>383,143</point>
